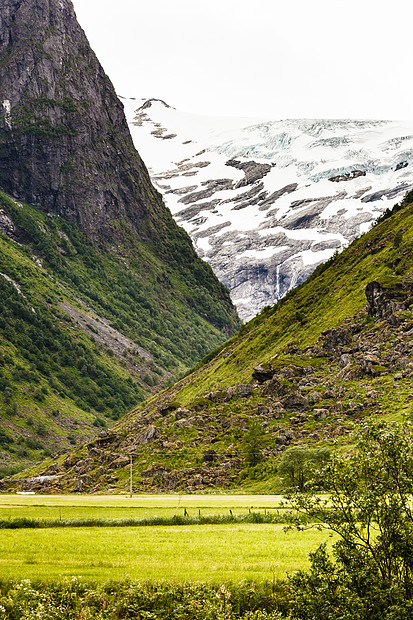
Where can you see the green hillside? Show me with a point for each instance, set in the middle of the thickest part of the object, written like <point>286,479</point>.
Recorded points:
<point>304,372</point>
<point>86,332</point>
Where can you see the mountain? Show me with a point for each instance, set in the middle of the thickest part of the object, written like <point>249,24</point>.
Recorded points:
<point>265,202</point>
<point>102,295</point>
<point>306,372</point>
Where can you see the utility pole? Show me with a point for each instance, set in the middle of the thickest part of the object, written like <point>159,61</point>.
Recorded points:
<point>130,479</point>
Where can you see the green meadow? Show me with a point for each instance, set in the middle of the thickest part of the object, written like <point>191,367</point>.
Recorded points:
<point>121,507</point>
<point>184,553</point>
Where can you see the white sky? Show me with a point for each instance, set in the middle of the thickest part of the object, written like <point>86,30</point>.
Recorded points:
<point>261,58</point>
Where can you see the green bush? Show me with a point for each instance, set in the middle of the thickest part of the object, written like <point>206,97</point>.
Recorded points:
<point>369,575</point>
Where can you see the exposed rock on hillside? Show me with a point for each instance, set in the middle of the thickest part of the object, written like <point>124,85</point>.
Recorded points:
<point>62,126</point>
<point>65,144</point>
<point>315,395</point>
<point>384,302</point>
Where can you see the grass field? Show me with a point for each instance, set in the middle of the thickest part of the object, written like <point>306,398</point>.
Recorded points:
<point>121,507</point>
<point>207,553</point>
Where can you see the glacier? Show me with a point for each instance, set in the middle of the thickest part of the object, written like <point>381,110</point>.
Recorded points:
<point>265,202</point>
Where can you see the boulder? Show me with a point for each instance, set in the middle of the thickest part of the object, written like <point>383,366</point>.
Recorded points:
<point>181,413</point>
<point>244,390</point>
<point>289,372</point>
<point>169,407</point>
<point>209,456</point>
<point>221,395</point>
<point>183,423</point>
<point>308,370</point>
<point>315,397</point>
<point>336,338</point>
<point>39,481</point>
<point>82,484</point>
<point>155,469</point>
<point>300,418</point>
<point>120,462</point>
<point>351,372</point>
<point>344,360</point>
<point>145,436</point>
<point>263,372</point>
<point>263,410</point>
<point>282,439</point>
<point>295,400</point>
<point>275,387</point>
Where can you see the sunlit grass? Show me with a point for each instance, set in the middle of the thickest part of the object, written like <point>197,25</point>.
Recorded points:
<point>142,506</point>
<point>212,553</point>
<point>196,553</point>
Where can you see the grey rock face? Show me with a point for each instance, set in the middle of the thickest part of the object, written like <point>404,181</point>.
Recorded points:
<point>64,141</point>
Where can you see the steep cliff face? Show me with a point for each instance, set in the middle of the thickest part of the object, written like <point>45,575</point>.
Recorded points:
<point>65,147</point>
<point>64,142</point>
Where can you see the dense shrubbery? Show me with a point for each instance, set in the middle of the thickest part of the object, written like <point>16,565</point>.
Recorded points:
<point>297,464</point>
<point>140,600</point>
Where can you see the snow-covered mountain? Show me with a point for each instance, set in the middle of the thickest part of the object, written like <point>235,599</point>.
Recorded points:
<point>266,202</point>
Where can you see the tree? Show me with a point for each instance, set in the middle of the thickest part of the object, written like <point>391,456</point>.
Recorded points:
<point>369,575</point>
<point>252,444</point>
<point>297,464</point>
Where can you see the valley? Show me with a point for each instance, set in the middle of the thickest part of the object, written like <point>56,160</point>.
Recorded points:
<point>206,422</point>
<point>308,371</point>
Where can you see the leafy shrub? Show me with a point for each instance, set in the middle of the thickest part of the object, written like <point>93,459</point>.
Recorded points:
<point>370,573</point>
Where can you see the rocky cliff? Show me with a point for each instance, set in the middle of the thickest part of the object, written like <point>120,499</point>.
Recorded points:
<point>64,142</point>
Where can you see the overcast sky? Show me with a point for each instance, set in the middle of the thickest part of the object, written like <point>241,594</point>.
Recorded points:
<point>263,58</point>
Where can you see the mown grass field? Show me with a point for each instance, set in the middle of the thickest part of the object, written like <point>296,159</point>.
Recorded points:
<point>186,553</point>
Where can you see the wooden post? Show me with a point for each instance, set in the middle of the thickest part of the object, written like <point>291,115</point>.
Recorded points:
<point>130,478</point>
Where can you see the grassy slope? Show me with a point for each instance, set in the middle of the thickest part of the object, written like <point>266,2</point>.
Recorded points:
<point>333,293</point>
<point>173,458</point>
<point>61,383</point>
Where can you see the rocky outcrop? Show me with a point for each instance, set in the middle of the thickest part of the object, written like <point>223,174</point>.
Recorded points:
<point>263,372</point>
<point>384,301</point>
<point>354,174</point>
<point>252,170</point>
<point>336,338</point>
